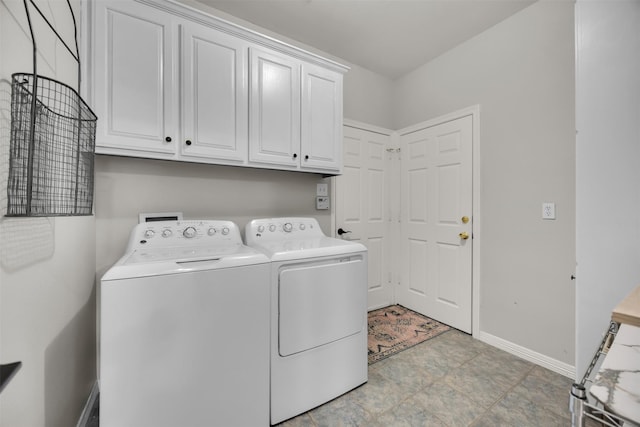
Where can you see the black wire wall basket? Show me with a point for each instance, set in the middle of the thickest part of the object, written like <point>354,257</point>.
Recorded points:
<point>51,157</point>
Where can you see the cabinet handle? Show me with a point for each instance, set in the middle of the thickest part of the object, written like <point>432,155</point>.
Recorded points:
<point>188,142</point>
<point>168,139</point>
<point>295,156</point>
<point>306,157</point>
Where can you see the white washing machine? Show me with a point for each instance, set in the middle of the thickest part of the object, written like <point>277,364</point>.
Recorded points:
<point>319,313</point>
<point>184,335</point>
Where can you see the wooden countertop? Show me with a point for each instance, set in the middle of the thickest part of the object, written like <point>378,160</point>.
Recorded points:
<point>628,311</point>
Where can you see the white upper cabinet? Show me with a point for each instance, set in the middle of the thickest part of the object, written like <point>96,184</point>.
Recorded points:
<point>321,124</point>
<point>134,79</point>
<point>295,114</point>
<point>214,94</point>
<point>275,109</point>
<point>170,82</point>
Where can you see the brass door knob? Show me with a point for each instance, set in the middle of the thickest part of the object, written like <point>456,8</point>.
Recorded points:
<point>464,235</point>
<point>465,219</point>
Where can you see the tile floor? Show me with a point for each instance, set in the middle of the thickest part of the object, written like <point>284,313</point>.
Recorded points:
<point>451,380</point>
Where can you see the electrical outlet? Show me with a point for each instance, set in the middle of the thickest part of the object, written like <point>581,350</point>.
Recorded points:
<point>548,210</point>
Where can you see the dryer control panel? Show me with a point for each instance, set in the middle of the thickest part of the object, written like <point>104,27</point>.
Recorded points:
<point>278,229</point>
<point>192,233</point>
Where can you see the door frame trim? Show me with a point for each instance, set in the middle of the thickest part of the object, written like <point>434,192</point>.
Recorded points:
<point>474,112</point>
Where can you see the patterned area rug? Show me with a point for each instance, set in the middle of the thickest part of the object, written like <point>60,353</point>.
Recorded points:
<point>396,328</point>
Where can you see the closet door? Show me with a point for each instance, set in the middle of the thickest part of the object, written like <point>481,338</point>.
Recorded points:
<point>363,205</point>
<point>135,87</point>
<point>214,95</point>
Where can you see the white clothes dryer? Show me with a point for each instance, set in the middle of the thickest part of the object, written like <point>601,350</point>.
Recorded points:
<point>318,313</point>
<point>184,335</point>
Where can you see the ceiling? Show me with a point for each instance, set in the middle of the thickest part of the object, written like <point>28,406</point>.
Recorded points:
<point>388,37</point>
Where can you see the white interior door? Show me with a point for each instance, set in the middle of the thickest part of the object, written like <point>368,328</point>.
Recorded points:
<point>362,206</point>
<point>436,193</point>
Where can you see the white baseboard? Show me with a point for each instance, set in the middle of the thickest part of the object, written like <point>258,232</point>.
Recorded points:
<point>529,355</point>
<point>86,412</point>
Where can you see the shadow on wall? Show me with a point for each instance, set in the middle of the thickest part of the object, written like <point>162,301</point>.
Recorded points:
<point>24,241</point>
<point>5,137</point>
<point>68,360</point>
<point>127,186</point>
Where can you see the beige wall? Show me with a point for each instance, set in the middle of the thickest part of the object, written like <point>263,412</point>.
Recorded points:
<point>367,97</point>
<point>47,265</point>
<point>521,73</point>
<point>127,186</point>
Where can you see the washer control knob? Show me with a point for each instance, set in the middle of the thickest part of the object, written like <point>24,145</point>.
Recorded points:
<point>261,229</point>
<point>287,227</point>
<point>302,226</point>
<point>225,231</point>
<point>167,232</point>
<point>211,231</point>
<point>189,232</point>
<point>149,234</point>
<point>272,228</point>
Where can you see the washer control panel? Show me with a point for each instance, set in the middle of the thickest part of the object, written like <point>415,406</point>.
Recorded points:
<point>276,229</point>
<point>164,234</point>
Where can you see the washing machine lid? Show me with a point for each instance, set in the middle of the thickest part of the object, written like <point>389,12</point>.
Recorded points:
<point>173,247</point>
<point>157,262</point>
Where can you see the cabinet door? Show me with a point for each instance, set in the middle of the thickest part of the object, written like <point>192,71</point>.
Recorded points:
<point>274,119</point>
<point>321,145</point>
<point>214,95</point>
<point>134,80</point>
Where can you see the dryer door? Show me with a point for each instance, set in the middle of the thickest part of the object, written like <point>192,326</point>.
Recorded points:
<point>321,302</point>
